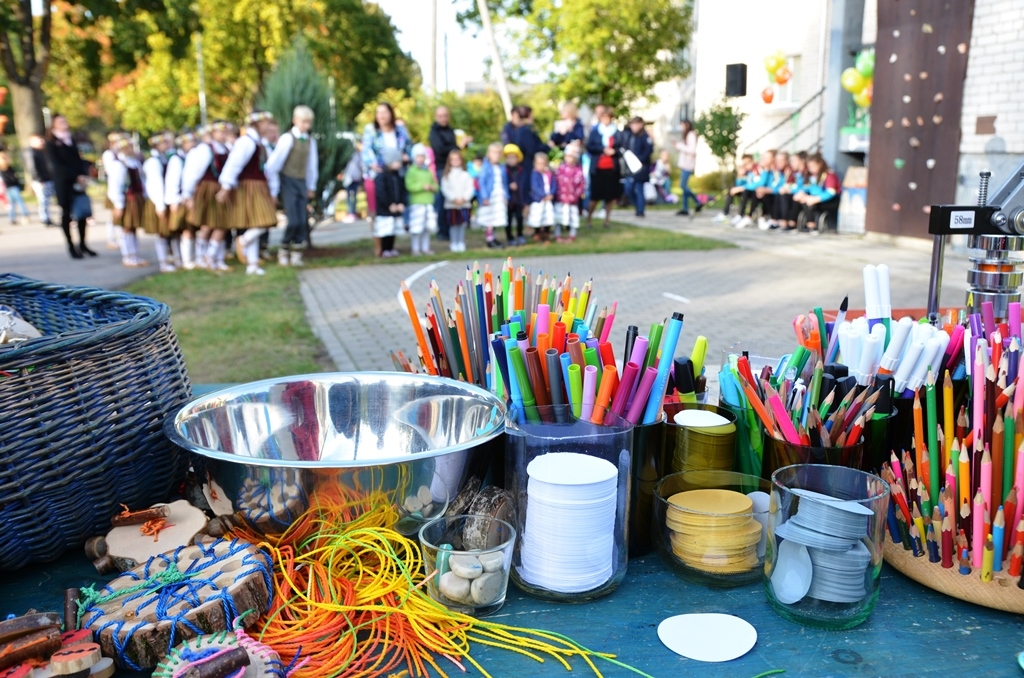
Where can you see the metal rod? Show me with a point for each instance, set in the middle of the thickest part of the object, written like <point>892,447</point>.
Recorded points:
<point>935,280</point>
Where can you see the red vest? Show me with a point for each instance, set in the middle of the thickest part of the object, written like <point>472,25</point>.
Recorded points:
<point>134,182</point>
<point>253,170</point>
<point>214,168</point>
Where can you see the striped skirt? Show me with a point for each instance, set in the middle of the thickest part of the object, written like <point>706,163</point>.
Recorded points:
<point>131,216</point>
<point>206,211</point>
<point>251,206</point>
<point>422,219</point>
<point>177,219</point>
<point>152,223</point>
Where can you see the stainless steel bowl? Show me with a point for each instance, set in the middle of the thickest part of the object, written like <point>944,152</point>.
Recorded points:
<point>261,450</point>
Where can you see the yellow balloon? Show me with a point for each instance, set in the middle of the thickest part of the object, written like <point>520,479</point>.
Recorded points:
<point>774,62</point>
<point>852,81</point>
<point>863,98</point>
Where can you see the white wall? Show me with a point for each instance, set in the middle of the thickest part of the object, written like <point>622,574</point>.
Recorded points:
<point>995,65</point>
<point>746,31</point>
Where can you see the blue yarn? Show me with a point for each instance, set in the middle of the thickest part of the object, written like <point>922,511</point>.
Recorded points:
<point>164,591</point>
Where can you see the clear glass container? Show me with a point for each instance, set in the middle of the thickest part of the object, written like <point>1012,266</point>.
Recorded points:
<point>699,448</point>
<point>780,454</point>
<point>823,560</point>
<point>713,548</point>
<point>467,560</point>
<point>570,483</point>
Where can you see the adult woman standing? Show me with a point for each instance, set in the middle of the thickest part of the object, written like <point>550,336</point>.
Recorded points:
<point>605,184</point>
<point>687,147</point>
<point>70,177</point>
<point>568,128</point>
<point>384,132</point>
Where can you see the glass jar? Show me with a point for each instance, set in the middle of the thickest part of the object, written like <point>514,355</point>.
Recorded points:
<point>466,559</point>
<point>570,484</point>
<point>648,468</point>
<point>700,448</point>
<point>782,453</point>
<point>824,555</point>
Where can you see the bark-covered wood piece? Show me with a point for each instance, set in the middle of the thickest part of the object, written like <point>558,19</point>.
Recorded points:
<point>27,623</point>
<point>195,590</point>
<point>38,645</point>
<point>263,661</point>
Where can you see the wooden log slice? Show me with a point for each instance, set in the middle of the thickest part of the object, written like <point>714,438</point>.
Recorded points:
<point>263,661</point>
<point>184,522</point>
<point>193,591</point>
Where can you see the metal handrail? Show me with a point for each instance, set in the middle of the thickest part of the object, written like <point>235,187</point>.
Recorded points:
<point>786,120</point>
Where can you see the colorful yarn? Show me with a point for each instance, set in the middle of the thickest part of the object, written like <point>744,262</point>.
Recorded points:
<point>349,598</point>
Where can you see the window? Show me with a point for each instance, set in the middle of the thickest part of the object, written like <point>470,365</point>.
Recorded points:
<point>790,92</point>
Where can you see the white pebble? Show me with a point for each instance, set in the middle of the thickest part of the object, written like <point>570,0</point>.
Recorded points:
<point>487,588</point>
<point>465,566</point>
<point>424,495</point>
<point>493,561</point>
<point>412,504</point>
<point>454,588</point>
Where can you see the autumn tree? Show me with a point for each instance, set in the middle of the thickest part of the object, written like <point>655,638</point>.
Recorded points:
<point>25,56</point>
<point>600,50</point>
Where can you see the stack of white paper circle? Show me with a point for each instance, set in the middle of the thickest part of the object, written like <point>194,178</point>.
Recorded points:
<point>568,542</point>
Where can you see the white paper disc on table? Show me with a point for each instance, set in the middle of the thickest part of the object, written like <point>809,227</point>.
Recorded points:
<point>708,637</point>
<point>791,579</point>
<point>699,419</point>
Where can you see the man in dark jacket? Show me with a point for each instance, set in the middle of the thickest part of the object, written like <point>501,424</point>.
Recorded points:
<point>442,142</point>
<point>42,178</point>
<point>635,138</point>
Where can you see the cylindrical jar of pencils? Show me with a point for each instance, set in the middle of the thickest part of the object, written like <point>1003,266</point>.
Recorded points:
<point>824,554</point>
<point>570,482</point>
<point>781,453</point>
<point>704,441</point>
<point>648,467</point>
<point>750,437</point>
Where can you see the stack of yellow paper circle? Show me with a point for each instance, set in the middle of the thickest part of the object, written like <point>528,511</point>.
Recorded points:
<point>714,530</point>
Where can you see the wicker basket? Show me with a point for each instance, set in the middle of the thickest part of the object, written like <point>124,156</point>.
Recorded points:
<point>81,411</point>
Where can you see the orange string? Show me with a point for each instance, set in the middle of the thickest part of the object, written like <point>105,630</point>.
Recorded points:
<point>152,528</point>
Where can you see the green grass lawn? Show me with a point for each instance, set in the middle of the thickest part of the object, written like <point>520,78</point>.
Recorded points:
<point>618,237</point>
<point>239,328</point>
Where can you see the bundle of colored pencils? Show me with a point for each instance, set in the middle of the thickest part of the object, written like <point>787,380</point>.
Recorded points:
<point>543,345</point>
<point>796,412</point>
<point>958,494</point>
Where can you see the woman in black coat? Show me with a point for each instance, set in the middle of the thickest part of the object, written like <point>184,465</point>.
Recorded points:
<point>605,179</point>
<point>70,177</point>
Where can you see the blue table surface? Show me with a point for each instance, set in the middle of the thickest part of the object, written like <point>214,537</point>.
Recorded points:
<point>912,632</point>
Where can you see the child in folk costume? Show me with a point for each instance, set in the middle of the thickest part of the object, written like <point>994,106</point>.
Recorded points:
<point>543,188</point>
<point>571,187</point>
<point>458,190</point>
<point>199,186</point>
<point>492,193</point>
<point>422,187</point>
<point>295,164</point>
<point>244,189</point>
<point>154,216</point>
<point>127,196</point>
<point>109,157</point>
<point>389,187</point>
<point>177,215</point>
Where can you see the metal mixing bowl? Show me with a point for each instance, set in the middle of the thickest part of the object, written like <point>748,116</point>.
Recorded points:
<point>261,450</point>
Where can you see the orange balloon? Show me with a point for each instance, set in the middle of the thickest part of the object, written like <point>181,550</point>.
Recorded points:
<point>767,95</point>
<point>783,75</point>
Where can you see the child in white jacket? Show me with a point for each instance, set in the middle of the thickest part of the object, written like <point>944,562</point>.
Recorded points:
<point>458,190</point>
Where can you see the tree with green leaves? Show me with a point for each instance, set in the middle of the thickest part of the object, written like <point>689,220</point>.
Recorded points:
<point>601,51</point>
<point>719,126</point>
<point>294,82</point>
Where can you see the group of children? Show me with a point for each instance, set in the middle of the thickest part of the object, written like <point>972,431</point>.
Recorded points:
<point>197,190</point>
<point>782,186</point>
<point>500,186</point>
